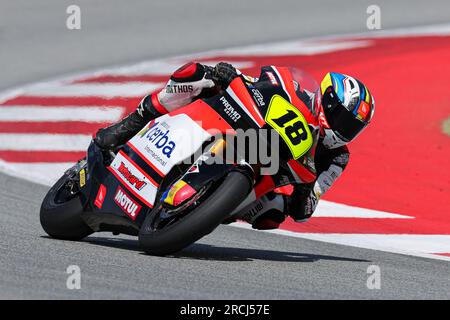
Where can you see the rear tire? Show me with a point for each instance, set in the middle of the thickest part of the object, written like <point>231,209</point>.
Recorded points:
<point>63,220</point>
<point>198,223</point>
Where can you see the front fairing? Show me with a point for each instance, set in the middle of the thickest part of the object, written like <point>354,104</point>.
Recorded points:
<point>306,89</point>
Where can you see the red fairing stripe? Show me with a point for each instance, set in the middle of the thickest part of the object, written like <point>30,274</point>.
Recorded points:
<point>123,154</point>
<point>145,159</point>
<point>123,183</point>
<point>186,71</point>
<point>304,174</point>
<point>158,106</point>
<point>241,92</point>
<point>289,85</point>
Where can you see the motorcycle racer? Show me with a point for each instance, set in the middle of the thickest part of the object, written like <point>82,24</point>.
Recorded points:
<point>345,107</point>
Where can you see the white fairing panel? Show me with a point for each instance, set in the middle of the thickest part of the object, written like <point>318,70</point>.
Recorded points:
<point>137,181</point>
<point>168,140</point>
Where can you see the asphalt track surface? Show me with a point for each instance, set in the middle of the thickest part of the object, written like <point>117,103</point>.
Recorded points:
<point>231,263</point>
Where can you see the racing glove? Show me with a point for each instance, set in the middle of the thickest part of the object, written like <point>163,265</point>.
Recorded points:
<point>223,73</point>
<point>189,81</point>
<point>185,85</point>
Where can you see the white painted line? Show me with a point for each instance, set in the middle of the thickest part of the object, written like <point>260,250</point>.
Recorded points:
<point>327,209</point>
<point>421,243</point>
<point>313,44</point>
<point>168,65</point>
<point>127,89</point>
<point>161,67</point>
<point>431,30</point>
<point>44,142</point>
<point>296,48</point>
<point>426,246</point>
<point>58,114</point>
<point>236,64</point>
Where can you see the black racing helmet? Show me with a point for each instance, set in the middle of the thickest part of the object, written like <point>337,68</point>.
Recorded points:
<point>347,107</point>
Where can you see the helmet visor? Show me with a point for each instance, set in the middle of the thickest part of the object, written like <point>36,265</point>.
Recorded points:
<point>343,122</point>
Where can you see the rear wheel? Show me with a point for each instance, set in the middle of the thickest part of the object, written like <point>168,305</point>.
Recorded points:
<point>61,212</point>
<point>163,239</point>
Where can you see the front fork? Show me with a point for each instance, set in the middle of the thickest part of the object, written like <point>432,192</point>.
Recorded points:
<point>76,176</point>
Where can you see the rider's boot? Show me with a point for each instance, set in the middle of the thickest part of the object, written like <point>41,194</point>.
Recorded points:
<point>265,213</point>
<point>119,133</point>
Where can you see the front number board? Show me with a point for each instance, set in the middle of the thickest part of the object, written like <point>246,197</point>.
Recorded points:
<point>290,124</point>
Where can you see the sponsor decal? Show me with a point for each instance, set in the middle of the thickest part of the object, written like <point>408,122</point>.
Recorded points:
<point>155,156</point>
<point>253,212</point>
<point>100,198</point>
<point>363,111</point>
<point>131,178</point>
<point>82,178</point>
<point>258,97</point>
<point>158,134</point>
<point>229,110</point>
<point>127,204</point>
<point>179,88</point>
<point>168,141</point>
<point>272,78</point>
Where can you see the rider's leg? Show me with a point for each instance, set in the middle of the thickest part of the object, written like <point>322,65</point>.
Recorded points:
<point>119,133</point>
<point>264,213</point>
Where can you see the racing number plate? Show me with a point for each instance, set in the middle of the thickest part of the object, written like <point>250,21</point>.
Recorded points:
<point>290,124</point>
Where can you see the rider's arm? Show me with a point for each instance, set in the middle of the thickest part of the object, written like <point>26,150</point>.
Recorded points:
<point>185,85</point>
<point>330,163</point>
<point>191,80</point>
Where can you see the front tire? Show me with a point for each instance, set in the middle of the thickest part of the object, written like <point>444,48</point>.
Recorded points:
<point>198,223</point>
<point>62,219</point>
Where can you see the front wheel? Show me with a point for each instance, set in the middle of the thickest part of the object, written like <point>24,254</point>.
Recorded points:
<point>199,222</point>
<point>61,213</point>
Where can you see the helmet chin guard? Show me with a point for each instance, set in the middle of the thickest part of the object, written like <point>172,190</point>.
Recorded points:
<point>331,140</point>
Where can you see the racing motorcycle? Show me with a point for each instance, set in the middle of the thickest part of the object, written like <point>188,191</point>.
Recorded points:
<point>147,188</point>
